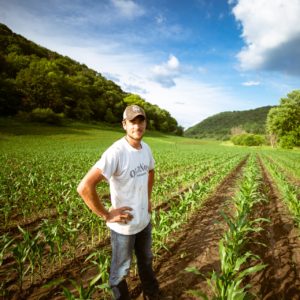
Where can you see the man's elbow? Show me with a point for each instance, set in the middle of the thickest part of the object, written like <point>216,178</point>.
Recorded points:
<point>81,189</point>
<point>89,182</point>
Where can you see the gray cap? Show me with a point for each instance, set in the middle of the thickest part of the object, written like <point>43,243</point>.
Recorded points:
<point>132,111</point>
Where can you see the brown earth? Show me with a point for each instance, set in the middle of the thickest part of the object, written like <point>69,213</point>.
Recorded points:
<point>185,249</point>
<point>196,245</point>
<point>281,278</point>
<point>70,267</point>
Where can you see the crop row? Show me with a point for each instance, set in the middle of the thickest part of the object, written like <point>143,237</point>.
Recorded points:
<point>33,184</point>
<point>289,191</point>
<point>23,256</point>
<point>287,160</point>
<point>234,258</point>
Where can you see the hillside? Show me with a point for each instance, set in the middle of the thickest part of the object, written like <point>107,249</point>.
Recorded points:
<point>34,77</point>
<point>219,126</point>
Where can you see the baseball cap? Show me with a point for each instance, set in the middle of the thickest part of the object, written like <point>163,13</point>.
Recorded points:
<point>133,111</point>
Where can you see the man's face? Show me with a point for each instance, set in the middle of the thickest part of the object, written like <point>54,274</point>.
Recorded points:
<point>135,128</point>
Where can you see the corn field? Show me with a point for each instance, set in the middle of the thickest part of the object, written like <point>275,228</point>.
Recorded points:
<point>53,247</point>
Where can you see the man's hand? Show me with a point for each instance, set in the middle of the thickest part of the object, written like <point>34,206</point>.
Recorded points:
<point>120,215</point>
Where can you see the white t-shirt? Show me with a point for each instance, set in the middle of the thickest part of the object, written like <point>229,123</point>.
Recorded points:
<point>126,169</point>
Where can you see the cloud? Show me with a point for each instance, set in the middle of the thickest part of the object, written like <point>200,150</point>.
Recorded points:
<point>110,76</point>
<point>165,73</point>
<point>160,19</point>
<point>271,32</point>
<point>128,8</point>
<point>134,89</point>
<point>251,83</point>
<point>191,100</point>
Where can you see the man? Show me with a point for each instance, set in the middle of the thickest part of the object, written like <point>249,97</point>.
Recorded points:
<point>128,165</point>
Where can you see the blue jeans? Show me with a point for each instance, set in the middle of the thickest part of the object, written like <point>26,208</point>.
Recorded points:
<point>122,250</point>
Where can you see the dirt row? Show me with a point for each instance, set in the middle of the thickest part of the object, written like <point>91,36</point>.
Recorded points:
<point>66,269</point>
<point>32,222</point>
<point>291,178</point>
<point>197,246</point>
<point>281,249</point>
<point>69,267</point>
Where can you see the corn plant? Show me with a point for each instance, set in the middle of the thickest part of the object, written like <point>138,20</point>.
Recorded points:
<point>101,260</point>
<point>41,173</point>
<point>84,293</point>
<point>6,242</point>
<point>289,191</point>
<point>228,283</point>
<point>20,252</point>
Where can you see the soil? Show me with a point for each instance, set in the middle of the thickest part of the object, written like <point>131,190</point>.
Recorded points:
<point>281,278</point>
<point>196,245</point>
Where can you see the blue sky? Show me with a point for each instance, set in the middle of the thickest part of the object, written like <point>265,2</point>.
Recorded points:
<point>194,58</point>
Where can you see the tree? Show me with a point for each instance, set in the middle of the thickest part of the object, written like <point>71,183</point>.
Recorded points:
<point>283,121</point>
<point>33,77</point>
<point>10,97</point>
<point>41,85</point>
<point>109,116</point>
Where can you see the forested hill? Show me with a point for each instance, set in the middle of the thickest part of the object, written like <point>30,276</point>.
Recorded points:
<point>220,125</point>
<point>34,77</point>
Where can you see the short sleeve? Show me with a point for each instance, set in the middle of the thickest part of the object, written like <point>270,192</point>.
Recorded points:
<point>108,163</point>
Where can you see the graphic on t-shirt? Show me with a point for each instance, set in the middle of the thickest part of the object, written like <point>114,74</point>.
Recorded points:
<point>140,170</point>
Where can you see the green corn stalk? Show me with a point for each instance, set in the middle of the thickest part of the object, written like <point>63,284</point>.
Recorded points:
<point>101,260</point>
<point>20,252</point>
<point>6,242</point>
<point>289,191</point>
<point>35,247</point>
<point>228,283</point>
<point>84,293</point>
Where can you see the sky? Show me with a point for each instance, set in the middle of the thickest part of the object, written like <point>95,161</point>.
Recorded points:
<point>194,58</point>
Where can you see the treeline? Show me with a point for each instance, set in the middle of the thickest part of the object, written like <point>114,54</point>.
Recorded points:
<point>282,126</point>
<point>220,126</point>
<point>35,79</point>
<point>283,122</point>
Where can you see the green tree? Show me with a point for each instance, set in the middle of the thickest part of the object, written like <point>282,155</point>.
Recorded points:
<point>109,116</point>
<point>41,85</point>
<point>134,99</point>
<point>283,121</point>
<point>10,97</point>
<point>16,63</point>
<point>33,77</point>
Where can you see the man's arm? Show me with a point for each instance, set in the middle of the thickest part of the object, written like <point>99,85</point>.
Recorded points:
<point>87,190</point>
<point>150,186</point>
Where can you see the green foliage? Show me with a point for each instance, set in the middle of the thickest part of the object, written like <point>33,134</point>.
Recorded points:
<point>284,120</point>
<point>287,141</point>
<point>248,139</point>
<point>46,115</point>
<point>10,97</point>
<point>280,167</point>
<point>219,126</point>
<point>35,77</point>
